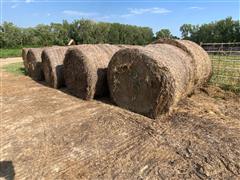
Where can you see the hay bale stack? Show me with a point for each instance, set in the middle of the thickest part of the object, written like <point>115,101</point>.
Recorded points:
<point>85,68</point>
<point>34,62</point>
<point>24,57</point>
<point>151,80</point>
<point>52,64</point>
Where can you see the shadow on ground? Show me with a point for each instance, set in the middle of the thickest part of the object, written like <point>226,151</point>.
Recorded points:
<point>7,170</point>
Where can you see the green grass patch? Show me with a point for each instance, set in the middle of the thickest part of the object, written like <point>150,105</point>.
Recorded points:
<point>5,53</point>
<point>235,89</point>
<point>15,68</point>
<point>226,72</point>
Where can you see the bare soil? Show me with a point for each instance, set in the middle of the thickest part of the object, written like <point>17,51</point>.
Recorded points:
<point>49,134</point>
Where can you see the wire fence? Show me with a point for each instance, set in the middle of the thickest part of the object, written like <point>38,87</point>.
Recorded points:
<point>226,64</point>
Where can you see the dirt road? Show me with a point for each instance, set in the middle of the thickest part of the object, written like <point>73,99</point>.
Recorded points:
<point>48,134</point>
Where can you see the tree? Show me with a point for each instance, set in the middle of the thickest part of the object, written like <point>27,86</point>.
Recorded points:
<point>10,36</point>
<point>60,33</point>
<point>114,34</point>
<point>186,30</point>
<point>226,30</point>
<point>163,33</point>
<point>82,31</point>
<point>87,31</point>
<point>44,34</point>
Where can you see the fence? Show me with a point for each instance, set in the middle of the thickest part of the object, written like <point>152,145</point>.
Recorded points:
<point>226,64</point>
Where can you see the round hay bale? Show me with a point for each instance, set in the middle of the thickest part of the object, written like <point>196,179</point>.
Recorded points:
<point>150,80</point>
<point>34,63</point>
<point>85,68</point>
<point>200,58</point>
<point>52,64</point>
<point>24,57</point>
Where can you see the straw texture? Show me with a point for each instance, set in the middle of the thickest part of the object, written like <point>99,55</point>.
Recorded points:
<point>52,64</point>
<point>85,68</point>
<point>24,57</point>
<point>200,59</point>
<point>151,80</point>
<point>34,63</point>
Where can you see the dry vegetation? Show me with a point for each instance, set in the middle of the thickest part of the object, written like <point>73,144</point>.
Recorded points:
<point>24,57</point>
<point>63,137</point>
<point>52,65</point>
<point>151,80</point>
<point>34,64</point>
<point>85,69</point>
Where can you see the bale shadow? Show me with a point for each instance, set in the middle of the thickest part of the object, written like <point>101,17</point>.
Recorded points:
<point>101,84</point>
<point>101,80</point>
<point>60,74</point>
<point>42,82</point>
<point>106,100</point>
<point>7,170</point>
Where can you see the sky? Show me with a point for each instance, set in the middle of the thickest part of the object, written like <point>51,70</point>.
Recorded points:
<point>156,14</point>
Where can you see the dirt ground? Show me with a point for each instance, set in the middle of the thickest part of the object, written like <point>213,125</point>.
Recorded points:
<point>49,134</point>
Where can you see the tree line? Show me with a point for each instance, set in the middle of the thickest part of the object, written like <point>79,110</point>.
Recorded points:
<point>87,31</point>
<point>226,30</point>
<point>82,31</point>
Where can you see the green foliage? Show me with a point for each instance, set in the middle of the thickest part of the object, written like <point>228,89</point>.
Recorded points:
<point>82,31</point>
<point>226,87</point>
<point>226,30</point>
<point>114,34</point>
<point>60,33</point>
<point>163,33</point>
<point>4,53</point>
<point>10,35</point>
<point>15,68</point>
<point>87,31</point>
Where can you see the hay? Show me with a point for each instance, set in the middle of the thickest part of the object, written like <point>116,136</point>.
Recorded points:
<point>85,68</point>
<point>201,61</point>
<point>34,62</point>
<point>52,64</point>
<point>24,57</point>
<point>151,80</point>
